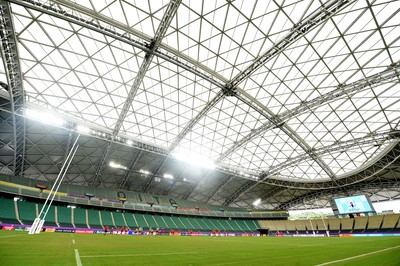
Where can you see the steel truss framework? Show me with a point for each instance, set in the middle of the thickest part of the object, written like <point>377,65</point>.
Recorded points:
<point>226,86</point>
<point>9,53</point>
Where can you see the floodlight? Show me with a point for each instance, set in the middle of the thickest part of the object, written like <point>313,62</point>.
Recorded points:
<point>195,159</point>
<point>83,129</point>
<point>44,117</point>
<point>117,165</point>
<point>168,176</point>
<point>257,202</point>
<point>144,172</point>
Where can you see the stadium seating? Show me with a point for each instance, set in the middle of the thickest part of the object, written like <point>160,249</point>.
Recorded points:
<point>106,219</point>
<point>334,225</point>
<point>160,221</point>
<point>280,225</point>
<point>239,225</point>
<point>300,226</point>
<point>152,223</point>
<point>374,222</point>
<point>64,216</point>
<point>94,219</point>
<point>290,226</point>
<point>360,223</point>
<point>170,222</point>
<point>390,221</point>
<point>130,220</point>
<point>80,217</point>
<point>50,219</point>
<point>347,225</point>
<point>118,219</point>
<point>178,222</point>
<point>27,211</point>
<point>141,221</point>
<point>8,214</point>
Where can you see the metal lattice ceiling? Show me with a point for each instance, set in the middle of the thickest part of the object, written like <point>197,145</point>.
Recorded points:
<point>284,96</point>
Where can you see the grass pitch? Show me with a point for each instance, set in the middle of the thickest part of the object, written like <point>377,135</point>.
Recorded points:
<point>19,248</point>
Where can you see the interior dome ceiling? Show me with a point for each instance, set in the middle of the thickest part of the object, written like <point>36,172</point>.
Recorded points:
<point>288,90</point>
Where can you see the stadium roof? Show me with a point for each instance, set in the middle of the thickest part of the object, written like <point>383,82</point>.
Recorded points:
<point>288,101</point>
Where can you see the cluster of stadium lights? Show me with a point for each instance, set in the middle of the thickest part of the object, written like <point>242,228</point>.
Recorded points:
<point>238,173</point>
<point>190,158</point>
<point>144,172</point>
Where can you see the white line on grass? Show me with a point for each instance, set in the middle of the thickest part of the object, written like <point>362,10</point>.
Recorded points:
<point>73,241</point>
<point>138,255</point>
<point>12,236</point>
<point>358,256</point>
<point>78,259</point>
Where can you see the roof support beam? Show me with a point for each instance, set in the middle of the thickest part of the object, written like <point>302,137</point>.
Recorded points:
<point>153,46</point>
<point>182,134</point>
<point>221,184</point>
<point>255,104</point>
<point>372,139</point>
<point>10,56</point>
<point>390,74</point>
<point>375,139</point>
<point>89,19</point>
<point>309,23</point>
<point>131,166</point>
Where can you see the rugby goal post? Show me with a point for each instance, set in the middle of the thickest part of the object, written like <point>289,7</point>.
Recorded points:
<point>40,219</point>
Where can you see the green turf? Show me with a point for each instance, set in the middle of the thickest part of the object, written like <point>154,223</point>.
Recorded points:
<point>19,248</point>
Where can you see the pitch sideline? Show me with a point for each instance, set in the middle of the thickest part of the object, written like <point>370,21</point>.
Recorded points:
<point>358,256</point>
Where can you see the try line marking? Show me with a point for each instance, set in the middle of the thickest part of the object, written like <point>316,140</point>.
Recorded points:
<point>137,255</point>
<point>358,256</point>
<point>77,258</point>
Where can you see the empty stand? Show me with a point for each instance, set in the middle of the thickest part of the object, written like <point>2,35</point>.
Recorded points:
<point>106,219</point>
<point>334,224</point>
<point>80,220</point>
<point>170,222</point>
<point>118,219</point>
<point>141,220</point>
<point>239,225</point>
<point>8,213</point>
<point>152,223</point>
<point>390,221</point>
<point>347,224</point>
<point>178,222</point>
<point>64,215</point>
<point>268,224</point>
<point>301,226</point>
<point>27,211</point>
<point>160,221</point>
<point>290,225</point>
<point>94,219</point>
<point>375,222</point>
<point>130,220</point>
<point>360,223</point>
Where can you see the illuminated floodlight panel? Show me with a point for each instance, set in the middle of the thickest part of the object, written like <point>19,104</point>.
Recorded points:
<point>195,159</point>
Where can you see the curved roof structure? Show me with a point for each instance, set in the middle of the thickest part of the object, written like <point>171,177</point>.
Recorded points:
<point>287,101</point>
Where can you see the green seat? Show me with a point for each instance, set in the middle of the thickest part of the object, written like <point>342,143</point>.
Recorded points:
<point>118,219</point>
<point>27,211</point>
<point>80,218</point>
<point>64,216</point>
<point>94,219</point>
<point>130,220</point>
<point>7,214</point>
